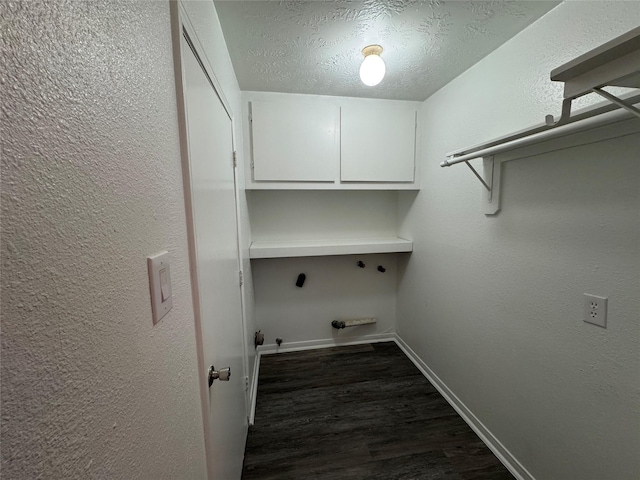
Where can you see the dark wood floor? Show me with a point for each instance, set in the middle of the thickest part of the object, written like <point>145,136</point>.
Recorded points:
<point>358,412</point>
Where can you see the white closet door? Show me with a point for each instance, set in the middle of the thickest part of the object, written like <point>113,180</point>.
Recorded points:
<point>295,141</point>
<point>378,142</point>
<point>212,192</point>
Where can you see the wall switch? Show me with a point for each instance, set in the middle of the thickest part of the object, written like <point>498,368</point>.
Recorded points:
<point>595,310</point>
<point>160,285</point>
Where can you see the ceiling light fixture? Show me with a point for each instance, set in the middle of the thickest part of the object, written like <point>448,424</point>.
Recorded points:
<point>372,69</point>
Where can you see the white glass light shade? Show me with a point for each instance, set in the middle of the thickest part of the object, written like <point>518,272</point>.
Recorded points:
<point>372,70</point>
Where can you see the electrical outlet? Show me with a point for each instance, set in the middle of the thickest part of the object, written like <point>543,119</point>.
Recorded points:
<point>595,310</point>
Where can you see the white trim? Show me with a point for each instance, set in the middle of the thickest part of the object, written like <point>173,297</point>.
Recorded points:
<point>187,28</point>
<point>253,394</point>
<point>178,17</point>
<point>490,440</point>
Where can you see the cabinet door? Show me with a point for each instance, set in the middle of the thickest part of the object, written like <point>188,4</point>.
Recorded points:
<point>295,141</point>
<point>378,142</point>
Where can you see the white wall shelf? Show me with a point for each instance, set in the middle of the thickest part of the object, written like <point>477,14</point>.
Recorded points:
<point>314,248</point>
<point>331,186</point>
<point>616,63</point>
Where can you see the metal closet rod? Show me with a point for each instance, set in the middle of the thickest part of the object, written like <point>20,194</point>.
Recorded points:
<point>586,118</point>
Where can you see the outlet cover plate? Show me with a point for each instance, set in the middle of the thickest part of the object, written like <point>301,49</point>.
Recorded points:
<point>595,310</point>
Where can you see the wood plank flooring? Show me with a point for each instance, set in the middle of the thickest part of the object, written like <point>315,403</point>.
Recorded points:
<point>358,412</point>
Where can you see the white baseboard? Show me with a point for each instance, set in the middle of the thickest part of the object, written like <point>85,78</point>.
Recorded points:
<point>253,393</point>
<point>499,450</point>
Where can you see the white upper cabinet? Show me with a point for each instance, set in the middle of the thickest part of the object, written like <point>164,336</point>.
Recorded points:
<point>295,141</point>
<point>378,142</point>
<point>313,142</point>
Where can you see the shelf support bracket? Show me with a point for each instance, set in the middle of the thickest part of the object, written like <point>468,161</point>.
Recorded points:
<point>618,101</point>
<point>490,181</point>
<point>475,172</point>
<point>491,196</point>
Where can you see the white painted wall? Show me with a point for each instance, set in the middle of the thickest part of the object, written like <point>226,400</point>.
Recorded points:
<point>91,185</point>
<point>494,305</point>
<point>313,215</point>
<point>335,289</point>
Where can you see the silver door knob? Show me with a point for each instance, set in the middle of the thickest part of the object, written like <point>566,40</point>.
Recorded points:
<point>223,374</point>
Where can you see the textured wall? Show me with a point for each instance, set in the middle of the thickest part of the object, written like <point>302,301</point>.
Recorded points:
<point>91,185</point>
<point>494,305</point>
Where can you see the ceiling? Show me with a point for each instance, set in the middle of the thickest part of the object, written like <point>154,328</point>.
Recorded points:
<point>314,47</point>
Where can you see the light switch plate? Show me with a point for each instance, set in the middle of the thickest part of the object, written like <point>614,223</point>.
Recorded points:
<point>160,285</point>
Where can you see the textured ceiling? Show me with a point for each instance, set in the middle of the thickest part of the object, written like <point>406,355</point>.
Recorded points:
<point>315,47</point>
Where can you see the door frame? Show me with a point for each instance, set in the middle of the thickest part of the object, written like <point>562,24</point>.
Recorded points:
<point>181,26</point>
